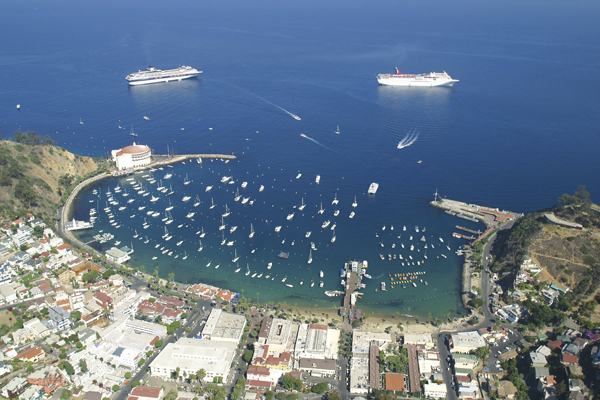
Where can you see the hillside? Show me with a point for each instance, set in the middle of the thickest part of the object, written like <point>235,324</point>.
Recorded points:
<point>35,173</point>
<point>567,256</point>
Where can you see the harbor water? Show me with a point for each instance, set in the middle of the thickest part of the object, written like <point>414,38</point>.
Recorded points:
<point>515,132</point>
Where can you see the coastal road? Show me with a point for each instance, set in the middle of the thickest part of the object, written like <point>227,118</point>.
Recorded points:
<point>487,322</point>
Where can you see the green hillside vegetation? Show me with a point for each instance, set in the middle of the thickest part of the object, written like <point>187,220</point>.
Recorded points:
<point>36,175</point>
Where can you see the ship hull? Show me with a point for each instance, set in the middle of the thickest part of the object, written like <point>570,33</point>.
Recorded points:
<point>161,80</point>
<point>390,81</point>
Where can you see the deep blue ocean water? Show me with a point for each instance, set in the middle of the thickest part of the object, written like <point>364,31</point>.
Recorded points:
<point>517,131</point>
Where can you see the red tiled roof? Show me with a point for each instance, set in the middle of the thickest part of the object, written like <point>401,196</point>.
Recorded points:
<point>63,246</point>
<point>146,391</point>
<point>315,326</point>
<point>554,344</point>
<point>258,370</point>
<point>395,382</point>
<point>569,359</point>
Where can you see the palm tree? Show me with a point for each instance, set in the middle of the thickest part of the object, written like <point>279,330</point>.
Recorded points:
<point>257,293</point>
<point>201,374</point>
<point>172,277</point>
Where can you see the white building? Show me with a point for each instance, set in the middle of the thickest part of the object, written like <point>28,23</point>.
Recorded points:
<point>224,326</point>
<point>435,390</point>
<point>136,155</point>
<point>117,256</point>
<point>190,355</point>
<point>420,338</point>
<point>7,293</point>
<point>465,342</point>
<point>316,342</point>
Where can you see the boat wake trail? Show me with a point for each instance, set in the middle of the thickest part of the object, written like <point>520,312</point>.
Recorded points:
<point>410,138</point>
<point>281,108</point>
<point>317,142</point>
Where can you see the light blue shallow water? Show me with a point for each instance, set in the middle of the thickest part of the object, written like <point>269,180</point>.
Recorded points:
<point>517,131</point>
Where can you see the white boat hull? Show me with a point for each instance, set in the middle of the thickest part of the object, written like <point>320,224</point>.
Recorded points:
<point>161,80</point>
<point>391,81</point>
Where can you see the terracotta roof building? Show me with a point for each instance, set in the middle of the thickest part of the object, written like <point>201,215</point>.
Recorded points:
<point>32,354</point>
<point>396,382</point>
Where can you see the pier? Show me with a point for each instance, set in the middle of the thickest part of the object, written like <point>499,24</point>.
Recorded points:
<point>462,228</point>
<point>352,283</point>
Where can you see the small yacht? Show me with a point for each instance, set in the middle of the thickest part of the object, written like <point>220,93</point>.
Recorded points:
<point>325,224</point>
<point>209,188</point>
<point>312,246</point>
<point>244,184</point>
<point>335,199</point>
<point>245,200</point>
<point>318,179</point>
<point>261,188</point>
<point>290,216</point>
<point>232,229</point>
<point>352,214</point>
<point>321,273</point>
<point>298,176</point>
<point>186,198</point>
<point>269,265</point>
<point>404,228</point>
<point>308,234</point>
<point>336,213</point>
<point>278,229</point>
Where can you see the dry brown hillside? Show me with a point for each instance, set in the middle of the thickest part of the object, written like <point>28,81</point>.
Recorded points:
<point>33,177</point>
<point>568,256</point>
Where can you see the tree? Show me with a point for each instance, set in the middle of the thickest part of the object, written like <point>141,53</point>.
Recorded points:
<point>201,374</point>
<point>66,394</point>
<point>291,383</point>
<point>116,388</point>
<point>127,375</point>
<point>68,367</point>
<point>83,365</point>
<point>319,388</point>
<point>76,315</point>
<point>158,343</point>
<point>476,302</point>
<point>248,356</point>
<point>269,395</point>
<point>334,395</point>
<point>135,383</point>
<point>482,352</point>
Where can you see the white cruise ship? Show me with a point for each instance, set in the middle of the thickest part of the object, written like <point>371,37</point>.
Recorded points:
<point>154,75</point>
<point>430,79</point>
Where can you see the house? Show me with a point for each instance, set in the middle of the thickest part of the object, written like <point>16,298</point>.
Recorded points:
<point>169,316</point>
<point>567,359</point>
<point>32,354</point>
<point>14,387</point>
<point>504,390</point>
<point>7,293</point>
<point>395,382</point>
<point>64,250</point>
<point>537,359</point>
<point>117,256</point>
<point>116,280</point>
<point>435,390</point>
<point>103,300</point>
<point>65,277</point>
<point>150,309</point>
<point>170,302</point>
<point>5,368</point>
<point>59,319</point>
<point>50,378</point>
<point>147,393</point>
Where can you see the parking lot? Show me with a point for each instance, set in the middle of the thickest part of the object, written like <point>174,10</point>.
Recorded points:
<point>493,363</point>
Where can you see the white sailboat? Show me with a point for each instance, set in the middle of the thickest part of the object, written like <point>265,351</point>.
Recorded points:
<point>251,235</point>
<point>201,247</point>
<point>186,181</point>
<point>136,234</point>
<point>202,233</point>
<point>333,238</point>
<point>224,240</point>
<point>337,130</point>
<point>227,211</point>
<point>222,226</point>
<point>236,257</point>
<point>238,196</point>
<point>310,260</point>
<point>335,199</point>
<point>197,202</point>
<point>185,256</point>
<point>302,206</point>
<point>321,211</point>
<point>237,269</point>
<point>355,204</point>
<point>212,203</point>
<point>170,206</point>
